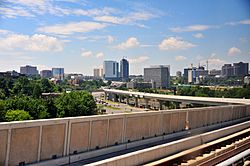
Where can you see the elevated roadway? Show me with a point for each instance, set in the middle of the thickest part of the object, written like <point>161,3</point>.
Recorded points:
<point>175,98</point>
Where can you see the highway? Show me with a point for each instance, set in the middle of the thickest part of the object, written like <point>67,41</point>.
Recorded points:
<point>188,99</point>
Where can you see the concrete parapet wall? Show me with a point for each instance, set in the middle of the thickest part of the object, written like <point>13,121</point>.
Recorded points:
<point>40,140</point>
<point>144,156</point>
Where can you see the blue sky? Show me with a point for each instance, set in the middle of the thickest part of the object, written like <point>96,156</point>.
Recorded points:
<point>79,34</point>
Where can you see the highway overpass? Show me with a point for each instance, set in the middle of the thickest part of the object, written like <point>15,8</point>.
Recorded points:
<point>175,98</point>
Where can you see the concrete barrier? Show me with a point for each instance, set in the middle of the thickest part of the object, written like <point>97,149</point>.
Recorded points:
<point>157,152</point>
<point>56,139</point>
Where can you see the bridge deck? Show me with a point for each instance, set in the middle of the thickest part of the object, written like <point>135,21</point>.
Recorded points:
<point>192,99</point>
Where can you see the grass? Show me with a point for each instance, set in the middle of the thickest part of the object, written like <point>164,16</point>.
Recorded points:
<point>112,108</point>
<point>110,102</point>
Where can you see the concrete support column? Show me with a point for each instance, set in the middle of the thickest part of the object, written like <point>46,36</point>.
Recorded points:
<point>105,96</point>
<point>146,103</point>
<point>136,101</point>
<point>127,100</point>
<point>120,98</point>
<point>115,99</point>
<point>109,96</point>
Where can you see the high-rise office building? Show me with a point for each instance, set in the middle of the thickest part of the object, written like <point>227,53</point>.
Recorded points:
<point>185,75</point>
<point>237,69</point>
<point>227,70</point>
<point>58,73</point>
<point>46,73</point>
<point>29,70</point>
<point>124,70</point>
<point>111,70</point>
<point>194,74</point>
<point>98,73</point>
<point>160,75</point>
<point>240,69</point>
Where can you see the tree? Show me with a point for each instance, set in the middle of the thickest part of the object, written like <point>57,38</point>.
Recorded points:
<point>46,86</point>
<point>6,84</point>
<point>51,107</point>
<point>2,94</point>
<point>75,104</point>
<point>2,111</point>
<point>35,107</point>
<point>22,86</point>
<point>109,82</point>
<point>37,92</point>
<point>17,115</point>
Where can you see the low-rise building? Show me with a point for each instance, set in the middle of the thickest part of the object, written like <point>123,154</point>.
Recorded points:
<point>215,72</point>
<point>46,73</point>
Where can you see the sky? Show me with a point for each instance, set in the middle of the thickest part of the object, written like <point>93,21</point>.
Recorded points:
<point>80,34</point>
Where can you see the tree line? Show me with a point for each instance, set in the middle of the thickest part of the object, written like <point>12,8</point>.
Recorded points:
<point>243,92</point>
<point>21,99</point>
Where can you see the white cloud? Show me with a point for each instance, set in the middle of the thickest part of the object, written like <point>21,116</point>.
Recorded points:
<point>43,67</point>
<point>14,12</point>
<point>199,57</point>
<point>198,35</point>
<point>40,7</point>
<point>128,19</point>
<point>243,39</point>
<point>4,32</point>
<point>234,51</point>
<point>110,39</point>
<point>180,58</point>
<point>139,59</point>
<point>100,55</point>
<point>131,42</point>
<point>92,12</point>
<point>36,42</point>
<point>38,3</point>
<point>73,27</point>
<point>213,55</point>
<point>86,53</point>
<point>192,28</point>
<point>242,22</point>
<point>213,63</point>
<point>245,22</point>
<point>109,19</point>
<point>175,43</point>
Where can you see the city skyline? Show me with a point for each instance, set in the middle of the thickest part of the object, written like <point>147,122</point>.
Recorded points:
<point>80,35</point>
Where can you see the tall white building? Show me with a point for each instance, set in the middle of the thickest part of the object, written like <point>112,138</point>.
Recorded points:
<point>111,70</point>
<point>98,73</point>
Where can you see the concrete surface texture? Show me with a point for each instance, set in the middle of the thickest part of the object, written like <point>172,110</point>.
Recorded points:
<point>144,156</point>
<point>40,140</point>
